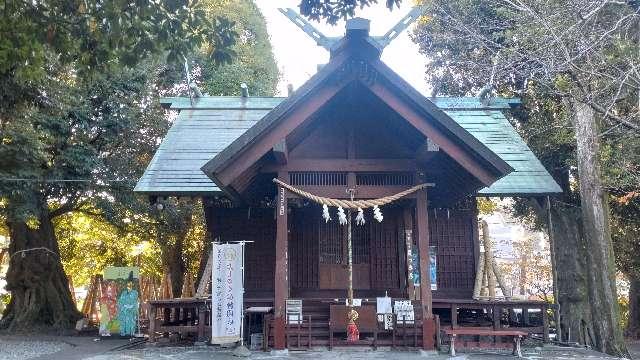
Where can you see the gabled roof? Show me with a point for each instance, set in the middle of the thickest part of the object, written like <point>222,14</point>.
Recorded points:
<point>201,131</point>
<point>356,60</point>
<point>227,136</point>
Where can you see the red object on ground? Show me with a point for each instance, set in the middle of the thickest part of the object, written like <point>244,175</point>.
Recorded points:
<point>352,332</point>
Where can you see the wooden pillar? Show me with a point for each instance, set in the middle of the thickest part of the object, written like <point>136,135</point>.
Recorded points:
<point>281,292</point>
<point>422,222</point>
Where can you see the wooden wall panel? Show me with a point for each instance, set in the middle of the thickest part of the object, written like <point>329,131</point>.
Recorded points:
<point>452,232</point>
<point>257,225</point>
<point>385,269</point>
<point>303,249</point>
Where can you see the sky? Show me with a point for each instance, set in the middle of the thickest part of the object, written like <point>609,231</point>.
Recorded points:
<point>298,55</point>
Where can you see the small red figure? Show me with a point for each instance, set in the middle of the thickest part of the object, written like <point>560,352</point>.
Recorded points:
<point>353,334</point>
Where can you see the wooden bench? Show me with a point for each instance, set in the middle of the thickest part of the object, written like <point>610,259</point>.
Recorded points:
<point>515,334</point>
<point>183,321</point>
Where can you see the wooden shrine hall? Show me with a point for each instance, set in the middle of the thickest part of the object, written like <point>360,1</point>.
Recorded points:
<point>354,131</point>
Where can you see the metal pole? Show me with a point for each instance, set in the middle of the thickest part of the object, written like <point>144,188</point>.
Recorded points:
<point>242,306</point>
<point>554,272</point>
<point>350,259</point>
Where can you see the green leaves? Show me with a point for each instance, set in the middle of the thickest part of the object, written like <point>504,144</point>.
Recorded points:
<point>93,35</point>
<point>332,11</point>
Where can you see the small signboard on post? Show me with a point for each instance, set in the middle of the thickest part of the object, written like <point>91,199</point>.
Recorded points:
<point>227,293</point>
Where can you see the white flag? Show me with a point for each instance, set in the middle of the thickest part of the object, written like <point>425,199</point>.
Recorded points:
<point>227,291</point>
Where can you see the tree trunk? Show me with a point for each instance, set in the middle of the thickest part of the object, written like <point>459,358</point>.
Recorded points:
<point>40,297</point>
<point>173,263</point>
<point>633,325</point>
<point>524,266</point>
<point>571,266</point>
<point>595,218</point>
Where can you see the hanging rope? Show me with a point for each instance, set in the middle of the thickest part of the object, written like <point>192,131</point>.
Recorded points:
<point>351,204</point>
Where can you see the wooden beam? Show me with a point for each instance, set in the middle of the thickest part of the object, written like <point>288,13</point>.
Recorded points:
<point>279,131</point>
<point>281,291</point>
<point>362,192</point>
<point>422,220</point>
<point>418,121</point>
<point>280,152</point>
<point>346,165</point>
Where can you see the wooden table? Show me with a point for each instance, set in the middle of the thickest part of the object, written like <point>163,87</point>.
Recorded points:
<point>183,320</point>
<point>253,311</point>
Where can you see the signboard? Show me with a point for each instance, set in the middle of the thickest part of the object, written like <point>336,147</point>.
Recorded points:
<point>227,293</point>
<point>404,311</point>
<point>414,267</point>
<point>433,267</point>
<point>119,303</point>
<point>294,311</point>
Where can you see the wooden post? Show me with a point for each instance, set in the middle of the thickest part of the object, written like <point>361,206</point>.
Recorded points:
<point>554,272</point>
<point>281,272</point>
<point>454,315</point>
<point>422,220</point>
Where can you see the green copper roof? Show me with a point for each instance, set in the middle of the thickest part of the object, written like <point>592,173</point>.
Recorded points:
<point>203,129</point>
<point>494,130</point>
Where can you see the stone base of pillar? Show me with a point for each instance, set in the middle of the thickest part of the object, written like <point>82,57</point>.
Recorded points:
<point>429,334</point>
<point>279,336</point>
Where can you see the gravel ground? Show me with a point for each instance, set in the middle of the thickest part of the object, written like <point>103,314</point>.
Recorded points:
<point>24,349</point>
<point>86,348</point>
<point>202,353</point>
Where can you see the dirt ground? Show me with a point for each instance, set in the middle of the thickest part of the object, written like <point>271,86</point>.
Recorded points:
<point>89,348</point>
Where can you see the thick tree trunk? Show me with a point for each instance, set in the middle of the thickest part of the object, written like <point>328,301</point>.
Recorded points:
<point>633,325</point>
<point>173,263</point>
<point>595,218</point>
<point>573,296</point>
<point>40,297</point>
<point>175,222</point>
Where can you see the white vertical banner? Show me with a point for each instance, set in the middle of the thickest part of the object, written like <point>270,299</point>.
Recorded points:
<point>227,293</point>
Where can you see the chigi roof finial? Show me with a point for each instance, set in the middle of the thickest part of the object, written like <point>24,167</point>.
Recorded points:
<point>353,25</point>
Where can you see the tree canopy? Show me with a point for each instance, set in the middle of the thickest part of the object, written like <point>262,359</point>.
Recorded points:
<point>560,58</point>
<point>77,83</point>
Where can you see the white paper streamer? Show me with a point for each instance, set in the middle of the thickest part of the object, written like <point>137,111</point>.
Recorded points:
<point>325,214</point>
<point>377,214</point>
<point>342,217</point>
<point>360,217</point>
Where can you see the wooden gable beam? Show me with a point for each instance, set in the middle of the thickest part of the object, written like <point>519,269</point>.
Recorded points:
<point>416,119</point>
<point>346,165</point>
<point>292,120</point>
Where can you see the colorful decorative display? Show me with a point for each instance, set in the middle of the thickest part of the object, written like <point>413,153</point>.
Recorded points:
<point>433,267</point>
<point>353,334</point>
<point>119,303</point>
<point>227,293</point>
<point>414,267</point>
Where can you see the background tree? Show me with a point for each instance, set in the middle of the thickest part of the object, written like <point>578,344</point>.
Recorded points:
<point>178,229</point>
<point>574,63</point>
<point>331,11</point>
<point>70,95</point>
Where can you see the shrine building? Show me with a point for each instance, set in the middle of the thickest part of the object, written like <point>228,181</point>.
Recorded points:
<point>354,131</point>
